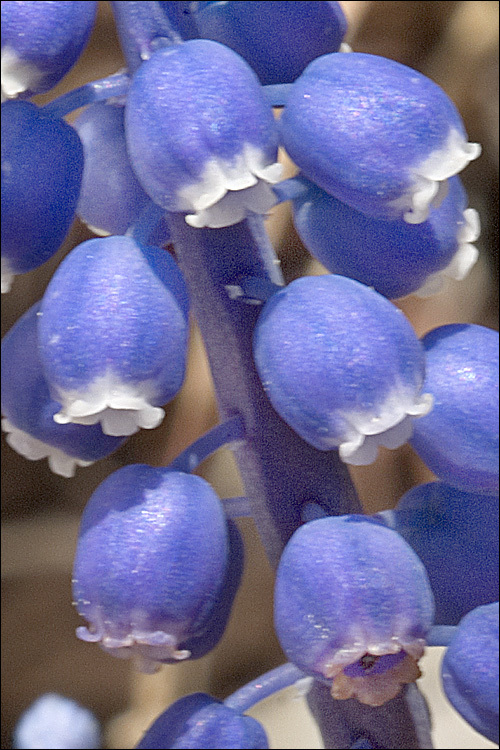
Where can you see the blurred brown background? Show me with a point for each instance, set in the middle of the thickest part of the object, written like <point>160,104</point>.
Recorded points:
<point>456,44</point>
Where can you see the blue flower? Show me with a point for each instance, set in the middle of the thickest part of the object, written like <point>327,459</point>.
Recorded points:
<point>458,440</point>
<point>375,134</point>
<point>199,720</point>
<point>201,136</point>
<point>341,365</point>
<point>29,410</point>
<point>42,165</point>
<point>41,42</point>
<point>352,607</point>
<point>394,257</point>
<point>441,522</point>
<point>470,670</point>
<point>157,566</point>
<point>113,334</point>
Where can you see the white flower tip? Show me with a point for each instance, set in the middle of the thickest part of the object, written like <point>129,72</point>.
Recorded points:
<point>34,450</point>
<point>7,276</point>
<point>17,75</point>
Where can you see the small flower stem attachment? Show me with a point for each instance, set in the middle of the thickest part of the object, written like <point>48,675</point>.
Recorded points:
<point>96,91</point>
<point>230,431</point>
<point>441,635</point>
<point>277,93</point>
<point>290,189</point>
<point>264,686</point>
<point>142,27</point>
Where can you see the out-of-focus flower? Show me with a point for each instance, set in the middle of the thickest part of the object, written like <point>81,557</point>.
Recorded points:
<point>53,722</point>
<point>353,606</point>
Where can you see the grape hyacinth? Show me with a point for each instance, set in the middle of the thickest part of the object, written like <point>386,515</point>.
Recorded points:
<point>174,161</point>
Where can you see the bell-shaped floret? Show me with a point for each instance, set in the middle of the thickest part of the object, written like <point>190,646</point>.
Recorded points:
<point>111,198</point>
<point>441,523</point>
<point>53,722</point>
<point>375,134</point>
<point>201,137</point>
<point>198,720</point>
<point>277,39</point>
<point>459,440</point>
<point>156,566</point>
<point>42,164</point>
<point>29,410</point>
<point>393,257</point>
<point>113,334</point>
<point>341,365</point>
<point>470,670</point>
<point>353,606</point>
<point>41,42</point>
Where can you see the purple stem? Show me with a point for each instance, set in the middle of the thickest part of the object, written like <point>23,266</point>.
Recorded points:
<point>142,27</point>
<point>96,91</point>
<point>280,472</point>
<point>264,686</point>
<point>223,434</point>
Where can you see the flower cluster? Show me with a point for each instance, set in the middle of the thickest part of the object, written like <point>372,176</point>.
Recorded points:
<point>181,149</point>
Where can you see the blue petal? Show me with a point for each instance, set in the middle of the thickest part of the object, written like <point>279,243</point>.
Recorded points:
<point>440,523</point>
<point>458,440</point>
<point>156,569</point>
<point>375,134</point>
<point>341,365</point>
<point>199,720</point>
<point>470,670</point>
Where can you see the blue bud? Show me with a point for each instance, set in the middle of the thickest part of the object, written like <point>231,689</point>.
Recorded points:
<point>53,722</point>
<point>440,523</point>
<point>111,198</point>
<point>459,440</point>
<point>201,137</point>
<point>156,566</point>
<point>42,164</point>
<point>29,409</point>
<point>278,50</point>
<point>375,134</point>
<point>470,670</point>
<point>198,720</point>
<point>113,334</point>
<point>341,365</point>
<point>41,42</point>
<point>352,607</point>
<point>394,257</point>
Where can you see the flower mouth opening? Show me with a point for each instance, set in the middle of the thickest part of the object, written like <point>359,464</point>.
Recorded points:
<point>227,191</point>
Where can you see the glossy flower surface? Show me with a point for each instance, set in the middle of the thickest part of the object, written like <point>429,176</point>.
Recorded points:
<point>458,440</point>
<point>341,365</point>
<point>199,720</point>
<point>113,334</point>
<point>29,410</point>
<point>377,135</point>
<point>156,566</point>
<point>352,607</point>
<point>470,670</point>
<point>201,136</point>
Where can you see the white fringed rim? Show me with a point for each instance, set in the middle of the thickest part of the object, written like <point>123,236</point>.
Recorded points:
<point>17,75</point>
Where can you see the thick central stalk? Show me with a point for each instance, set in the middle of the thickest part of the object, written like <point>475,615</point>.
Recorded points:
<point>280,472</point>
